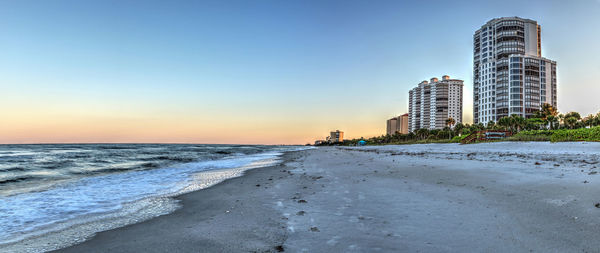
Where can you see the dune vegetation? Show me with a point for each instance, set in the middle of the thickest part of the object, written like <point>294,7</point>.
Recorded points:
<point>545,125</point>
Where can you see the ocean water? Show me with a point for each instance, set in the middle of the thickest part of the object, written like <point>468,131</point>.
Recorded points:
<point>55,195</point>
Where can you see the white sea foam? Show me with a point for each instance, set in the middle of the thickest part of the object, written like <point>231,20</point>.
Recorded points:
<point>72,212</point>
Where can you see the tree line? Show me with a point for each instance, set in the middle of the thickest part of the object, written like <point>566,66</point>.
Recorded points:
<point>547,118</point>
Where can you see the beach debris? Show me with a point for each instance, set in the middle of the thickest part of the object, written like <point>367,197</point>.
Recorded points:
<point>597,205</point>
<point>302,201</point>
<point>279,248</point>
<point>556,165</point>
<point>585,182</point>
<point>316,178</point>
<point>314,229</point>
<point>593,172</point>
<point>300,213</point>
<point>257,185</point>
<point>538,163</point>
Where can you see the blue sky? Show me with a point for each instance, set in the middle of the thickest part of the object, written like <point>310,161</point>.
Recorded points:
<point>255,71</point>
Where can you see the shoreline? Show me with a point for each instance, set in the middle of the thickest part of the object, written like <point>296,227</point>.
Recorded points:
<point>453,142</point>
<point>69,232</point>
<point>205,199</point>
<point>387,199</point>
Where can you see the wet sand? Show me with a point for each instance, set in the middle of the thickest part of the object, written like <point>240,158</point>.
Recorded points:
<point>377,199</point>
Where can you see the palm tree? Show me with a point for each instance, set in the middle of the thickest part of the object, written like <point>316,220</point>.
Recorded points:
<point>547,113</point>
<point>505,123</point>
<point>491,125</point>
<point>571,119</point>
<point>445,132</point>
<point>518,122</point>
<point>571,122</point>
<point>561,119</point>
<point>450,122</point>
<point>552,121</point>
<point>573,114</point>
<point>459,128</point>
<point>589,120</point>
<point>422,133</point>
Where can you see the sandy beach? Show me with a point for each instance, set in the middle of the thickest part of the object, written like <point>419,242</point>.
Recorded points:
<point>495,197</point>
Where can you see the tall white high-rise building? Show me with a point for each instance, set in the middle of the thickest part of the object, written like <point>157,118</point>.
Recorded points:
<point>432,103</point>
<point>510,76</point>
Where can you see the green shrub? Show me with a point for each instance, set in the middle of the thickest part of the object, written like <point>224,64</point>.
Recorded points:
<point>535,133</point>
<point>458,139</point>
<point>581,134</point>
<point>532,135</point>
<point>518,137</point>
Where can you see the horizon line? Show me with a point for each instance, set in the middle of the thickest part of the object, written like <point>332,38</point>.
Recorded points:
<point>179,143</point>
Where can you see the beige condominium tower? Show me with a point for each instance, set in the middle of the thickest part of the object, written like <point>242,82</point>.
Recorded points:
<point>510,76</point>
<point>432,103</point>
<point>397,124</point>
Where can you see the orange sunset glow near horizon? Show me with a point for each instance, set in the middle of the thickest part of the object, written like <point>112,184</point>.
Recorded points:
<point>80,126</point>
<point>157,130</point>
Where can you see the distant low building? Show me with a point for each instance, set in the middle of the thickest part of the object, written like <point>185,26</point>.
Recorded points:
<point>319,142</point>
<point>397,124</point>
<point>336,136</point>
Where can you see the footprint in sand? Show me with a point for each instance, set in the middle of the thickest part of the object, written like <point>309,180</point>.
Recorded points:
<point>333,241</point>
